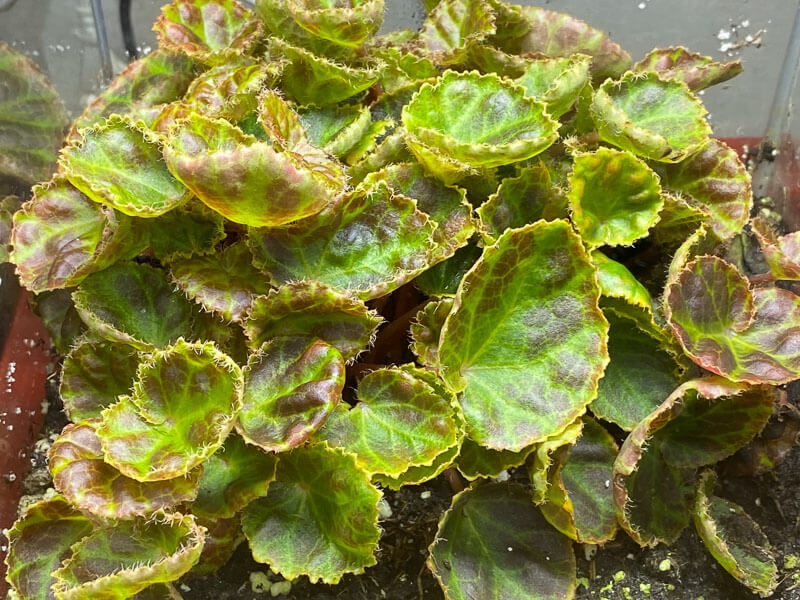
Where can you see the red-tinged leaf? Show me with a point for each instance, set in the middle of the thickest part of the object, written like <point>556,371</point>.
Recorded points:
<point>225,283</point>
<point>315,309</point>
<point>530,29</point>
<point>93,486</point>
<point>725,327</point>
<point>60,237</point>
<point>292,384</point>
<point>210,31</point>
<point>427,329</point>
<point>782,253</point>
<point>37,543</point>
<point>695,70</point>
<point>715,178</point>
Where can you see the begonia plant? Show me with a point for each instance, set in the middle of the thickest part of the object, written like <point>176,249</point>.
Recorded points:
<point>296,263</point>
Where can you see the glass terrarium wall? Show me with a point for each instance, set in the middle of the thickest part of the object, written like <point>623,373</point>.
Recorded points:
<point>60,36</point>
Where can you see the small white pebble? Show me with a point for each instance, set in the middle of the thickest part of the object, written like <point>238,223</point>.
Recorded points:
<point>384,510</point>
<point>425,495</point>
<point>259,582</point>
<point>280,587</point>
<point>607,483</point>
<point>758,501</point>
<point>185,588</point>
<point>510,549</point>
<point>502,476</point>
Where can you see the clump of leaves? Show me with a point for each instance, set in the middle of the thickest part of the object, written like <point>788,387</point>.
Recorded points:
<point>309,263</point>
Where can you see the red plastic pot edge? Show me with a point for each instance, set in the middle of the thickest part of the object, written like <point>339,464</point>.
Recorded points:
<point>23,372</point>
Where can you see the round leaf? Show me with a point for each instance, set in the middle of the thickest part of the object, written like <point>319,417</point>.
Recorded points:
<point>76,463</point>
<point>319,519</point>
<point>232,477</point>
<point>526,340</point>
<point>742,334</point>
<point>494,543</point>
<point>37,543</point>
<point>133,304</point>
<point>614,197</point>
<point>224,283</point>
<point>184,403</point>
<point>117,562</point>
<point>651,117</point>
<point>400,421</point>
<point>291,386</point>
<point>314,309</point>
<point>94,373</point>
<point>370,243</point>
<point>479,120</point>
<point>119,163</point>
<point>60,237</point>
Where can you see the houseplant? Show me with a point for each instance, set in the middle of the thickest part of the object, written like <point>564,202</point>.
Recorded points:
<point>242,209</point>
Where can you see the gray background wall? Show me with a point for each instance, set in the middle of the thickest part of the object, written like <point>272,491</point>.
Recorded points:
<point>59,35</point>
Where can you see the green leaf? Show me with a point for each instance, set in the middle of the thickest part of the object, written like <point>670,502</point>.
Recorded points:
<point>37,543</point>
<point>614,197</point>
<point>420,474</point>
<point>319,519</point>
<point>401,73</point>
<point>530,29</point>
<point>729,329</point>
<point>451,29</point>
<point>60,237</point>
<point>133,304</point>
<point>734,539</point>
<point>695,70</point>
<point>188,230</point>
<point>400,421</point>
<point>370,242</point>
<point>311,79</point>
<point>229,91</point>
<point>94,373</point>
<point>542,459</point>
<point>426,330</point>
<point>678,220</point>
<point>210,31</point>
<point>446,205</point>
<point>224,283</point>
<point>493,543</point>
<point>347,24</point>
<point>443,278</point>
<point>477,121</point>
<point>159,77</point>
<point>556,81</point>
<point>701,422</point>
<point>292,384</point>
<point>782,254</point>
<point>271,188</point>
<point>579,501</point>
<point>314,309</point>
<point>232,477</point>
<point>475,461</point>
<point>184,403</point>
<point>117,562</point>
<point>526,340</point>
<point>76,462</point>
<point>638,378</point>
<point>651,117</point>
<point>119,163</point>
<point>715,179</point>
<point>336,129</point>
<point>32,119</point>
<point>521,200</point>
<point>391,149</point>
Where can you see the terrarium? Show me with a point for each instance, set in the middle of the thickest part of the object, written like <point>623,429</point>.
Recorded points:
<point>466,299</point>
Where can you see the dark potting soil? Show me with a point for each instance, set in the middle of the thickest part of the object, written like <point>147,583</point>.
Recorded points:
<point>619,571</point>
